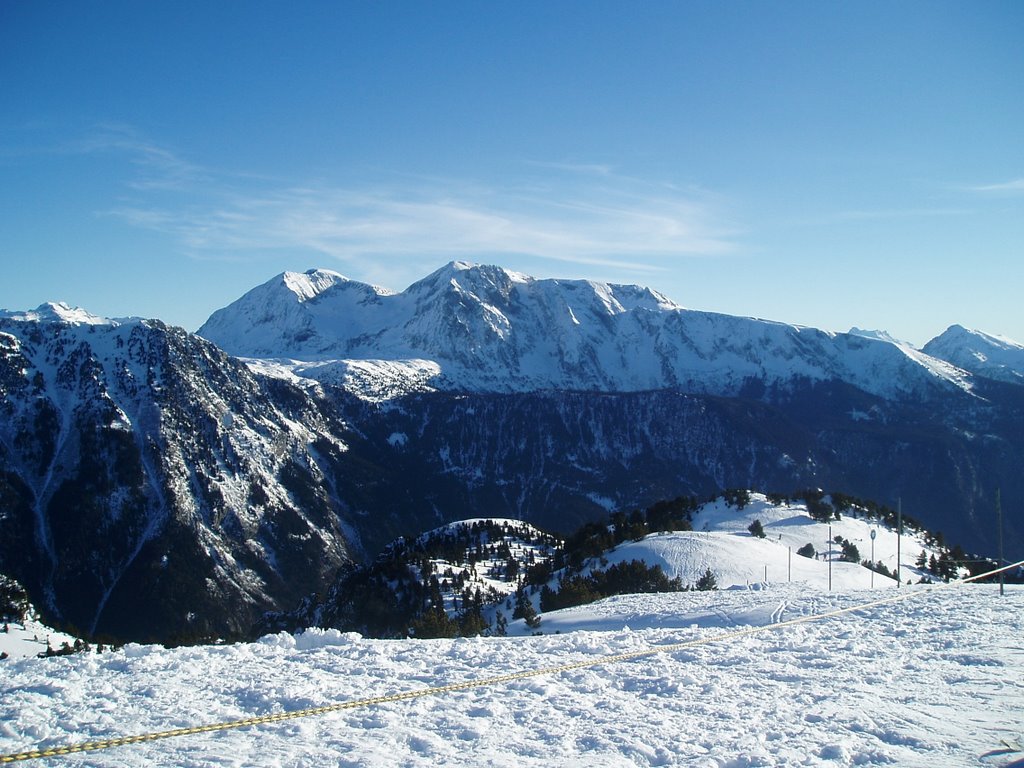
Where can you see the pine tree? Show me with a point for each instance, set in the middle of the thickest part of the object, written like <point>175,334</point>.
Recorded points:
<point>707,582</point>
<point>472,621</point>
<point>525,610</point>
<point>850,552</point>
<point>434,623</point>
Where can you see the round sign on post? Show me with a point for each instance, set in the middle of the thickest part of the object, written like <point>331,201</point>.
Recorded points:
<point>872,558</point>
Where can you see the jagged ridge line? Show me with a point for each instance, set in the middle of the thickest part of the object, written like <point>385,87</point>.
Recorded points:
<point>93,746</point>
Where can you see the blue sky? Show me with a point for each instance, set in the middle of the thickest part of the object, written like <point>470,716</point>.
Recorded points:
<point>827,164</point>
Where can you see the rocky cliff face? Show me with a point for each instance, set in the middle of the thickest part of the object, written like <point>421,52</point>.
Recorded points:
<point>151,486</point>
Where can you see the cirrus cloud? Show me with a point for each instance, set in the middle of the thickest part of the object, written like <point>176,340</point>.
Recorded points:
<point>1013,186</point>
<point>579,213</point>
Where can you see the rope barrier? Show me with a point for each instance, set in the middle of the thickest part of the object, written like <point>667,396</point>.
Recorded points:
<point>92,746</point>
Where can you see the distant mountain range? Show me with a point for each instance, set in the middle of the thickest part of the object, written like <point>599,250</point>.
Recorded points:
<point>486,329</point>
<point>154,487</point>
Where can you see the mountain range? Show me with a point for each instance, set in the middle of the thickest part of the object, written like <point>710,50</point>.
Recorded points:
<point>487,329</point>
<point>157,484</point>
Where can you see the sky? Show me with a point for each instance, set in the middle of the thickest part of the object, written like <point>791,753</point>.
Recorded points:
<point>824,164</point>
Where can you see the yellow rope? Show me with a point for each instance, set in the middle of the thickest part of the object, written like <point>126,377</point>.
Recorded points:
<point>91,746</point>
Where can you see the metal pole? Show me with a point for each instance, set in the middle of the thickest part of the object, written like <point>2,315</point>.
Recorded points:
<point>999,519</point>
<point>872,558</point>
<point>829,556</point>
<point>789,574</point>
<point>899,538</point>
<point>766,573</point>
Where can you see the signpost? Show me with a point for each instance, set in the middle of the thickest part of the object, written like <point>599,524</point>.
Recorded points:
<point>873,558</point>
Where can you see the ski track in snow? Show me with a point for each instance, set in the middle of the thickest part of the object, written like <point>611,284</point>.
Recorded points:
<point>935,680</point>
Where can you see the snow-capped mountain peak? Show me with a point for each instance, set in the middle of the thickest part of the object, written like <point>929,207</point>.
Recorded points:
<point>310,284</point>
<point>988,355</point>
<point>57,311</point>
<point>488,329</point>
<point>878,334</point>
<point>137,456</point>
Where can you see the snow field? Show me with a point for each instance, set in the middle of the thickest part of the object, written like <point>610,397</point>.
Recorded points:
<point>721,542</point>
<point>934,680</point>
<point>29,638</point>
<point>790,526</point>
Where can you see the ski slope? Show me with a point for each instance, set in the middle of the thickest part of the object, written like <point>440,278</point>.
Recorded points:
<point>934,677</point>
<point>933,680</point>
<point>721,542</point>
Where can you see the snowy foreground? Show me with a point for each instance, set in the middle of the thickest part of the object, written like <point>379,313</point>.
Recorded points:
<point>934,680</point>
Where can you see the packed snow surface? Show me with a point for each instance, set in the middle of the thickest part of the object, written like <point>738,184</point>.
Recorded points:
<point>933,680</point>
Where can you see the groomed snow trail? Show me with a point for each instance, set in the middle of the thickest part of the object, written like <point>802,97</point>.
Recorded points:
<point>937,680</point>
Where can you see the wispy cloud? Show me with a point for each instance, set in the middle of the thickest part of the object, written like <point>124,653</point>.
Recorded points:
<point>156,166</point>
<point>576,213</point>
<point>1013,186</point>
<point>900,213</point>
<point>592,169</point>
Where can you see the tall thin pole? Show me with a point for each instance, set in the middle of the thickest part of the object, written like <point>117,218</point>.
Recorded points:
<point>829,556</point>
<point>789,570</point>
<point>872,558</point>
<point>999,519</point>
<point>899,538</point>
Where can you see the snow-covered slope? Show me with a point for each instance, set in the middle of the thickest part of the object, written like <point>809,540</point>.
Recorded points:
<point>488,567</point>
<point>30,637</point>
<point>720,541</point>
<point>995,357</point>
<point>22,634</point>
<point>493,330</point>
<point>929,682</point>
